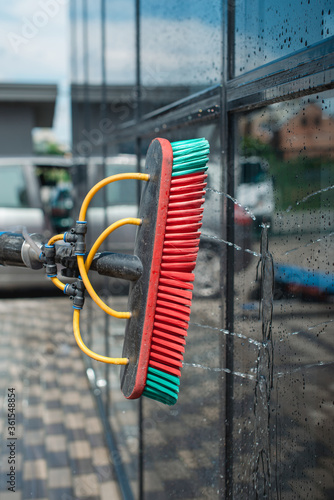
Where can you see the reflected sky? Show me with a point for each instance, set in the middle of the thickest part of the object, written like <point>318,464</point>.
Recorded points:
<point>266,31</point>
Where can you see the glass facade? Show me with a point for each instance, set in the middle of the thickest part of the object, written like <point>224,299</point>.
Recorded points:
<point>255,411</point>
<point>265,31</point>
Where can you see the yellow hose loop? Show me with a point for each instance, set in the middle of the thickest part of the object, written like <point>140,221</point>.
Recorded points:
<point>84,267</point>
<point>84,348</point>
<point>57,283</point>
<point>55,238</point>
<point>104,182</point>
<point>105,234</point>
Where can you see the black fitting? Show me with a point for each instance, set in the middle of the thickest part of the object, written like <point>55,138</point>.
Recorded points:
<point>70,289</point>
<point>79,297</point>
<point>50,260</point>
<point>77,236</point>
<point>76,292</point>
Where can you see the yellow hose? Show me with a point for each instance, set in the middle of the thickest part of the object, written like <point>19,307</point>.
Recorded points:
<point>104,182</point>
<point>84,348</point>
<point>84,267</point>
<point>55,238</point>
<point>105,234</point>
<point>57,283</point>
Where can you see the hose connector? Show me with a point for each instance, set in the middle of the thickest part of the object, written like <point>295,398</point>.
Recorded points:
<point>49,252</point>
<point>76,236</point>
<point>76,292</point>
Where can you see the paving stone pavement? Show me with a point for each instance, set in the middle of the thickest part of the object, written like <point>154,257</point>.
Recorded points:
<point>57,443</point>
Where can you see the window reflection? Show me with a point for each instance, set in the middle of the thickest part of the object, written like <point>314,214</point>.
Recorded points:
<point>181,48</point>
<point>265,31</point>
<point>282,415</point>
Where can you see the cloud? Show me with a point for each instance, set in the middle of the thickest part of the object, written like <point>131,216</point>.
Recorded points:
<point>33,45</point>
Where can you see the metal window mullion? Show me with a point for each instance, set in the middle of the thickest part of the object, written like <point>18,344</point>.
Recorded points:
<point>302,73</point>
<point>202,110</point>
<point>264,95</point>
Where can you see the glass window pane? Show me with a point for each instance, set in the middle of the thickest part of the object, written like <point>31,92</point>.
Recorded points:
<point>77,63</point>
<point>283,402</point>
<point>265,31</point>
<point>120,44</point>
<point>180,49</point>
<point>94,43</point>
<point>182,442</point>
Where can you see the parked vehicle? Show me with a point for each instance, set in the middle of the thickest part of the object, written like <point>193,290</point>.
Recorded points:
<point>25,189</point>
<point>255,189</point>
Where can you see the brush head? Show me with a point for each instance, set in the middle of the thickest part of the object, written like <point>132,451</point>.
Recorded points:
<point>167,244</point>
<point>148,247</point>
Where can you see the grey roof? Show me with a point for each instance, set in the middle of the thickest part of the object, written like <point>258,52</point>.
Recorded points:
<point>41,97</point>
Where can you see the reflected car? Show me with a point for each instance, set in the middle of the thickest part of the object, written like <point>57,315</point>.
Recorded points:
<point>25,190</point>
<point>255,188</point>
<point>61,208</point>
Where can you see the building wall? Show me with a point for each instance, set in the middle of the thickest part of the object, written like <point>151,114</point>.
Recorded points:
<point>16,124</point>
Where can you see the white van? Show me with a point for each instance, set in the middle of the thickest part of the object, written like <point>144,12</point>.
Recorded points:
<point>23,185</point>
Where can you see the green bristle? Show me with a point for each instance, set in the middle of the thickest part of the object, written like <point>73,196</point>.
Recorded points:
<point>190,156</point>
<point>161,386</point>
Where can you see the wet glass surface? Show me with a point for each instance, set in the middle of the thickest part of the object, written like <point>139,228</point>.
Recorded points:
<point>87,42</point>
<point>182,442</point>
<point>283,410</point>
<point>120,44</point>
<point>180,49</point>
<point>265,31</point>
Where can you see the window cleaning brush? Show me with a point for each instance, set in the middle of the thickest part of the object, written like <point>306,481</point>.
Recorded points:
<point>160,271</point>
<point>167,244</point>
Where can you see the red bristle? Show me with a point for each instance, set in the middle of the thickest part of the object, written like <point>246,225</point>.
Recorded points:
<point>159,349</point>
<point>188,257</point>
<point>178,275</point>
<point>181,243</point>
<point>166,339</point>
<point>187,189</point>
<point>183,228</point>
<point>168,311</point>
<point>179,251</point>
<point>180,308</point>
<point>170,329</point>
<point>165,368</point>
<point>183,219</point>
<point>180,284</point>
<point>155,356</point>
<point>171,321</point>
<point>177,266</point>
<point>185,213</point>
<point>188,236</point>
<point>172,291</point>
<point>188,179</point>
<point>174,298</point>
<point>168,344</point>
<point>186,204</point>
<point>190,195</point>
